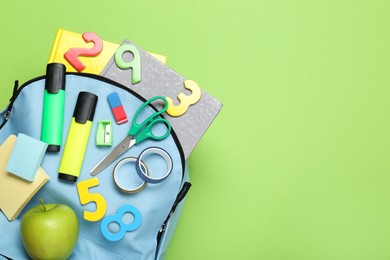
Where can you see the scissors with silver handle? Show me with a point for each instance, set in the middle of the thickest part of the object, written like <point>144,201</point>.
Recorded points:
<point>137,134</point>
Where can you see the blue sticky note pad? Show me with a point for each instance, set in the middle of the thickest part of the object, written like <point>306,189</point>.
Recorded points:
<point>114,100</point>
<point>26,157</point>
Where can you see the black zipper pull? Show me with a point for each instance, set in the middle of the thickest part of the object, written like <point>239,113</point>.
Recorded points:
<point>180,196</point>
<point>16,86</point>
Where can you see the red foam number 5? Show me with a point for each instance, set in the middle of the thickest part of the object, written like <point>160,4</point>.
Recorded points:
<point>72,54</point>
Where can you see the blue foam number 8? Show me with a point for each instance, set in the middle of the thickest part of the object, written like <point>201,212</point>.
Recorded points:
<point>123,227</point>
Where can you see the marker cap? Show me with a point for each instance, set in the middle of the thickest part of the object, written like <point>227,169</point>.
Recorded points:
<point>55,77</point>
<point>85,107</point>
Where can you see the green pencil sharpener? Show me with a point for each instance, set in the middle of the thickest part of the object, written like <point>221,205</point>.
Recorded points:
<point>104,133</point>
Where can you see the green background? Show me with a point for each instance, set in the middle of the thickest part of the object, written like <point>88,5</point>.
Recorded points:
<point>296,165</point>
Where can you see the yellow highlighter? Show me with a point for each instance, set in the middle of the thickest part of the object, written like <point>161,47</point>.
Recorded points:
<point>78,136</point>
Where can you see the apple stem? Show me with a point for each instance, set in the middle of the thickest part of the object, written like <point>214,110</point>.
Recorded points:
<point>43,204</point>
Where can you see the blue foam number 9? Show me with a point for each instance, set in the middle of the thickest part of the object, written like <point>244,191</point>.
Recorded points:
<point>123,227</point>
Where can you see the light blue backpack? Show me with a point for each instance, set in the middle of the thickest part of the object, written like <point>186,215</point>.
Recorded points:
<point>159,204</point>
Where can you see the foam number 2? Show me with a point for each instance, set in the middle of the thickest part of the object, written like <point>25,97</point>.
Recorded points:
<point>185,101</point>
<point>86,197</point>
<point>135,64</point>
<point>73,54</point>
<point>123,227</point>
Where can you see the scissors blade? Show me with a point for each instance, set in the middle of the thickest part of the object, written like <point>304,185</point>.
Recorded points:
<point>121,148</point>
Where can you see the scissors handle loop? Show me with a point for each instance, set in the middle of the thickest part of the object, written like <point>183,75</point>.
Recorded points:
<point>143,130</point>
<point>148,133</point>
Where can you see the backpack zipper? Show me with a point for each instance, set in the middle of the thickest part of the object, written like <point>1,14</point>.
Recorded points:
<point>180,196</point>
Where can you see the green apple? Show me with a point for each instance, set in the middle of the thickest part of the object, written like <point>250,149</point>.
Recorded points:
<point>49,231</point>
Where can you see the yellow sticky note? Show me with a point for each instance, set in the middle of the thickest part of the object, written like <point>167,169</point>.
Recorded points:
<point>15,192</point>
<point>66,40</point>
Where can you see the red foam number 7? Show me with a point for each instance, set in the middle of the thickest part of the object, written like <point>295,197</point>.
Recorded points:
<point>72,54</point>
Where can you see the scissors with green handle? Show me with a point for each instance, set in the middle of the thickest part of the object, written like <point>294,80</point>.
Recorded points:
<point>137,134</point>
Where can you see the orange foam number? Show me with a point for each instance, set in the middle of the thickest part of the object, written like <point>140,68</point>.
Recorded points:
<point>185,101</point>
<point>86,197</point>
<point>73,54</point>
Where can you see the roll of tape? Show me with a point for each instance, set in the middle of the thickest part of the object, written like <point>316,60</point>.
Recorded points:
<point>128,160</point>
<point>141,169</point>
